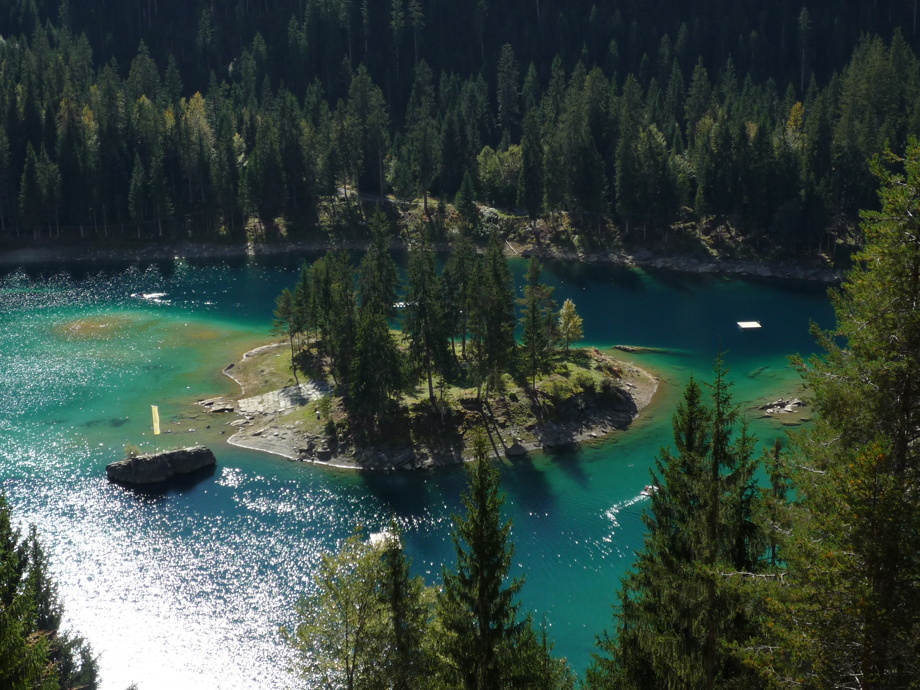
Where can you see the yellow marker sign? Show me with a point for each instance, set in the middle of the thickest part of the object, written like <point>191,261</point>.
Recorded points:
<point>156,419</point>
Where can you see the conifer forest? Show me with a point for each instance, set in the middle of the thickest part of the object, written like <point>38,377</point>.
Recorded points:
<point>633,121</point>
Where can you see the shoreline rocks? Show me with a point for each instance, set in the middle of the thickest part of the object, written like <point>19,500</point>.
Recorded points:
<point>790,269</point>
<point>154,468</point>
<point>782,406</point>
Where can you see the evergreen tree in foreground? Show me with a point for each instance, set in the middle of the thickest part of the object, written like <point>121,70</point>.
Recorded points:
<point>848,611</point>
<point>476,607</point>
<point>682,611</point>
<point>34,653</point>
<point>483,645</point>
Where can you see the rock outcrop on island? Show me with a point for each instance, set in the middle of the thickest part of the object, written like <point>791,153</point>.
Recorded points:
<point>154,468</point>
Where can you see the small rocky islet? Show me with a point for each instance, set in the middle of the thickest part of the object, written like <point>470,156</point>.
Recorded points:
<point>288,420</point>
<point>159,467</point>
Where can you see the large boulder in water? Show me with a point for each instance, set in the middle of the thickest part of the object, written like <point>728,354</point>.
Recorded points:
<point>159,467</point>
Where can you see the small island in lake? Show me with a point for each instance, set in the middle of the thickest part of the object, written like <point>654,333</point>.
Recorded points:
<point>347,389</point>
<point>587,396</point>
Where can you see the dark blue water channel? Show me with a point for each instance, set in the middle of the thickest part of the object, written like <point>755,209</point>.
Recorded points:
<point>188,588</point>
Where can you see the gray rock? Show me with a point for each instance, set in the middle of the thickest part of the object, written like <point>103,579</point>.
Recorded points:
<point>515,450</point>
<point>159,467</point>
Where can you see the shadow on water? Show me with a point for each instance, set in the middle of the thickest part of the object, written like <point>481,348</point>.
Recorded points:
<point>684,282</point>
<point>528,485</point>
<point>569,459</point>
<point>580,275</point>
<point>402,492</point>
<point>159,492</point>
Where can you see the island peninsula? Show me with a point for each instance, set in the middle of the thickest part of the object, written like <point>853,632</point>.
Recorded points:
<point>588,396</point>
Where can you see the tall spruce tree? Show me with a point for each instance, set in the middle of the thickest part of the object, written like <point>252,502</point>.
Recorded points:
<point>530,179</point>
<point>465,203</point>
<point>286,322</point>
<point>538,325</point>
<point>407,604</point>
<point>303,303</point>
<point>481,640</point>
<point>477,606</point>
<point>849,613</point>
<point>333,293</point>
<point>377,368</point>
<point>378,278</point>
<point>458,291</point>
<point>492,318</point>
<point>424,322</point>
<point>682,616</point>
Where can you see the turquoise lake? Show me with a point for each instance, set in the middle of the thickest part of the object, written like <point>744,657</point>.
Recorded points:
<point>187,588</point>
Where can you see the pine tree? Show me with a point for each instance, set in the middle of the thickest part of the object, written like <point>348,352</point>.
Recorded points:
<point>507,89</point>
<point>70,654</point>
<point>465,202</point>
<point>477,605</point>
<point>377,367</point>
<point>408,608</point>
<point>333,297</point>
<point>137,194</point>
<point>538,327</point>
<point>378,279</point>
<point>458,291</point>
<point>530,181</point>
<point>30,192</point>
<point>285,322</point>
<point>422,126</point>
<point>492,318</point>
<point>682,617</point>
<point>303,303</point>
<point>34,653</point>
<point>850,612</point>
<point>424,322</point>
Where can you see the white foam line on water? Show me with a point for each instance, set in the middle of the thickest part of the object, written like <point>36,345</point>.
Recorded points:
<point>615,509</point>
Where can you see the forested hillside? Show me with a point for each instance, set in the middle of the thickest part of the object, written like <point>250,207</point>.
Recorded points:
<point>628,121</point>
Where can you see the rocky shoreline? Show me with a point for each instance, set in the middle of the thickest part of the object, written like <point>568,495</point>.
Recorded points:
<point>787,270</point>
<point>261,426</point>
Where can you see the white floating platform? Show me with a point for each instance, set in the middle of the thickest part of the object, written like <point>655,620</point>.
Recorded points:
<point>749,325</point>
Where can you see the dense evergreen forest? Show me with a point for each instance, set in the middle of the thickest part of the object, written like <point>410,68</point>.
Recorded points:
<point>613,122</point>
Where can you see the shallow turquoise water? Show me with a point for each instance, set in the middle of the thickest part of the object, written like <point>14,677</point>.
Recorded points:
<point>188,588</point>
